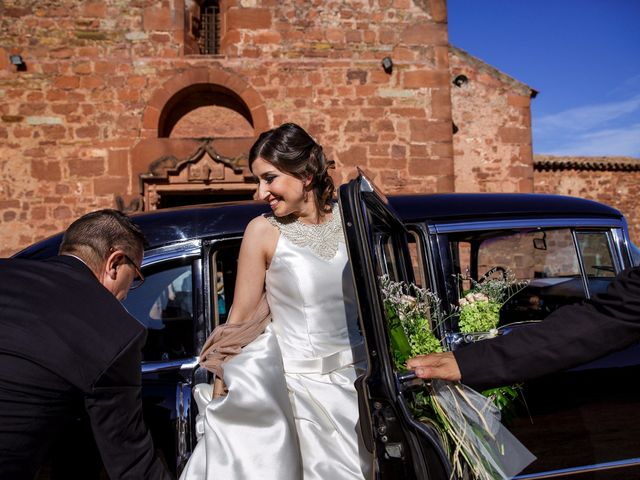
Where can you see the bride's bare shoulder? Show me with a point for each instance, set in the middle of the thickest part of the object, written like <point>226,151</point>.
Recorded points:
<point>261,231</point>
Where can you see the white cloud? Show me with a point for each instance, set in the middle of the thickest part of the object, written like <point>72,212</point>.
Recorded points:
<point>624,141</point>
<point>611,128</point>
<point>584,118</point>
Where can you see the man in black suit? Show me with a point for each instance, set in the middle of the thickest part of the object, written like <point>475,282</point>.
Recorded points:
<point>570,336</point>
<point>68,346</point>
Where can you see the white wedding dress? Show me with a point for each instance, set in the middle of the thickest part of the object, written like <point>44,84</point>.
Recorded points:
<point>292,411</point>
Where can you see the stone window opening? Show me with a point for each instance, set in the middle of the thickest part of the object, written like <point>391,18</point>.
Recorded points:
<point>209,28</point>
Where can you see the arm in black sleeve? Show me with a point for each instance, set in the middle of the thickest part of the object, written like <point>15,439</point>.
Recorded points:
<point>115,409</point>
<point>570,336</point>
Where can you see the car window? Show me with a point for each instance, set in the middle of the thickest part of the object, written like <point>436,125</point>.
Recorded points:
<point>164,304</point>
<point>551,261</point>
<point>224,264</point>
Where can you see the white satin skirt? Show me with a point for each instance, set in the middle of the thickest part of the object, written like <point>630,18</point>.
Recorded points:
<point>277,425</point>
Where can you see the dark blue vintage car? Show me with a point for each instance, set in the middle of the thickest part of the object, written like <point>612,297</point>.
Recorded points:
<point>581,421</point>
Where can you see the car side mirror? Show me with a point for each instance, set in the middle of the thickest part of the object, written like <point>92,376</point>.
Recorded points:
<point>540,243</point>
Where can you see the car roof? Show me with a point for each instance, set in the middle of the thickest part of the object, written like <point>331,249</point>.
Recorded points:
<point>449,207</point>
<point>180,224</point>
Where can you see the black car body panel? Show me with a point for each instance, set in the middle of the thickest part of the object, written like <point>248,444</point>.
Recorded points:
<point>190,269</point>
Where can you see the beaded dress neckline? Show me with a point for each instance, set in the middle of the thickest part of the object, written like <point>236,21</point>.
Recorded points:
<point>322,239</point>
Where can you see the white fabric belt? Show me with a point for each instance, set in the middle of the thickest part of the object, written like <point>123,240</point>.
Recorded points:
<point>327,364</point>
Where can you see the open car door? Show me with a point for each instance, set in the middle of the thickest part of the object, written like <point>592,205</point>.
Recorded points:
<point>377,243</point>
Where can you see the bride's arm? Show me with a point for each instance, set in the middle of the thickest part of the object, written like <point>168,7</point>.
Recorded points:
<point>256,250</point>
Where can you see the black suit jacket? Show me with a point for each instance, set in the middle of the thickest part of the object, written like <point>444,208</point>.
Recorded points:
<point>67,345</point>
<point>570,336</point>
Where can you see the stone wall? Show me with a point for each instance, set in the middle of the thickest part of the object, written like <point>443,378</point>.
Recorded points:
<point>491,113</point>
<point>614,181</point>
<point>101,75</point>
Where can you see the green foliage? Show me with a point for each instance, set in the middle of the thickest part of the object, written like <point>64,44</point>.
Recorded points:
<point>479,316</point>
<point>412,316</point>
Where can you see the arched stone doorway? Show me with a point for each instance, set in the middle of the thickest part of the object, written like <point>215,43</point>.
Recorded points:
<point>199,134</point>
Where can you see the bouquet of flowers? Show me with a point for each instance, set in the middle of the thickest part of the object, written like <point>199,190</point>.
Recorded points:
<point>469,422</point>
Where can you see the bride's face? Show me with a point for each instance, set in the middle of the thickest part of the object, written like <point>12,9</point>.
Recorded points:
<point>283,192</point>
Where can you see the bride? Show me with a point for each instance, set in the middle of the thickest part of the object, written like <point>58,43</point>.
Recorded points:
<point>291,408</point>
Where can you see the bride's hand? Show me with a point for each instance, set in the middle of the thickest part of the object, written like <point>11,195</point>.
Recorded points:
<point>219,389</point>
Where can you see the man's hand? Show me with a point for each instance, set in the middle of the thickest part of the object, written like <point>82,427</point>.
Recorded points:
<point>436,365</point>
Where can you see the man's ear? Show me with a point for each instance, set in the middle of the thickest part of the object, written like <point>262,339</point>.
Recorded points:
<point>110,269</point>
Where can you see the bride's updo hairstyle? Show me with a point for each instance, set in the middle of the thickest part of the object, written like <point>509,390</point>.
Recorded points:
<point>292,150</point>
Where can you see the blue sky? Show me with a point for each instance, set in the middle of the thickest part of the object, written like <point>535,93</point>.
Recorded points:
<point>583,57</point>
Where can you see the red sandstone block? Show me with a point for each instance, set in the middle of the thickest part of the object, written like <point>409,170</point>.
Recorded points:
<point>425,131</point>
<point>403,54</point>
<point>514,135</point>
<point>441,103</point>
<point>445,183</point>
<point>353,36</point>
<point>91,131</point>
<point>27,109</point>
<point>64,108</point>
<point>381,150</point>
<point>438,10</point>
<point>67,83</point>
<point>353,126</point>
<point>402,4</point>
<point>409,112</point>
<point>90,167</point>
<point>157,18</point>
<point>22,132</point>
<point>378,162</point>
<point>118,163</point>
<point>252,98</point>
<point>128,94</point>
<point>366,90</point>
<point>260,118</point>
<point>373,112</point>
<point>442,149</point>
<point>95,9</point>
<point>334,35</point>
<point>312,35</point>
<point>249,18</point>
<point>398,151</point>
<point>384,126</point>
<point>303,92</point>
<point>106,186</point>
<point>251,52</point>
<point>35,97</point>
<point>429,166</point>
<point>45,170</point>
<point>137,81</point>
<point>91,82</point>
<point>9,204</point>
<point>424,33</point>
<point>425,78</point>
<point>88,52</point>
<point>103,67</point>
<point>441,57</point>
<point>61,53</point>
<point>387,36</point>
<point>52,133</point>
<point>489,80</point>
<point>62,212</point>
<point>270,37</point>
<point>521,171</point>
<point>218,76</point>
<point>379,101</point>
<point>380,77</point>
<point>519,101</point>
